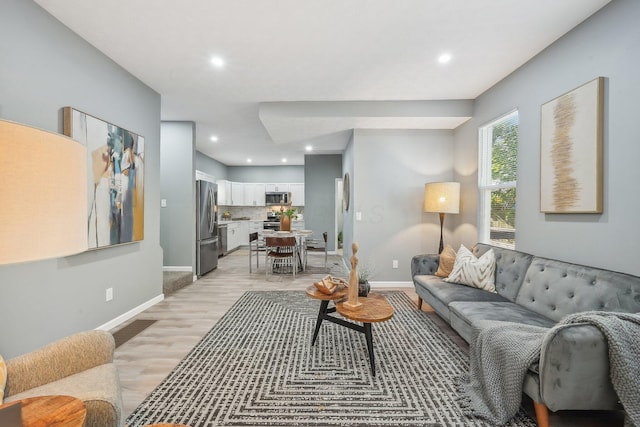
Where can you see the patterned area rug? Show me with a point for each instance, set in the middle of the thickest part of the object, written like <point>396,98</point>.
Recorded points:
<point>256,367</point>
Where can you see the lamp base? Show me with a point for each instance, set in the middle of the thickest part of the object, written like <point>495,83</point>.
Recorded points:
<point>441,241</point>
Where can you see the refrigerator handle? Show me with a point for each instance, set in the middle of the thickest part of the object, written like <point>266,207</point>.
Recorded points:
<point>211,211</point>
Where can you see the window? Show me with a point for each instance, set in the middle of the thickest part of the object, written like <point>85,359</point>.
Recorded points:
<point>497,174</point>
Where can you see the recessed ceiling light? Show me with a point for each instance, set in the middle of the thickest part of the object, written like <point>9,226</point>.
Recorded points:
<point>309,148</point>
<point>217,61</point>
<point>214,138</point>
<point>284,160</point>
<point>248,160</point>
<point>444,58</point>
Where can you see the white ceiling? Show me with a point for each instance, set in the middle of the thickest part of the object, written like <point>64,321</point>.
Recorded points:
<point>322,52</point>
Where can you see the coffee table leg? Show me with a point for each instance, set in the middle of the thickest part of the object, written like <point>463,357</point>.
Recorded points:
<point>321,313</point>
<point>369,337</point>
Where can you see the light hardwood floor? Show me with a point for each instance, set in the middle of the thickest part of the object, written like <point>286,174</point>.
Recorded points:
<point>185,316</point>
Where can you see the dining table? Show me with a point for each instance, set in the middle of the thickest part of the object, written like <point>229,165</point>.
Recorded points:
<point>300,235</point>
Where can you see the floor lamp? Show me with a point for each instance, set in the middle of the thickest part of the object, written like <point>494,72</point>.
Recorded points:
<point>442,198</point>
<point>43,197</point>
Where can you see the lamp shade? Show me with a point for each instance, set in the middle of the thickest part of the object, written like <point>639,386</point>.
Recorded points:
<point>43,197</point>
<point>442,197</point>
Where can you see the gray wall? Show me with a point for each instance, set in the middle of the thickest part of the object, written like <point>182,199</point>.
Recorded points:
<point>210,166</point>
<point>348,216</point>
<point>389,173</point>
<point>604,45</point>
<point>273,174</point>
<point>320,173</point>
<point>177,187</point>
<point>46,67</point>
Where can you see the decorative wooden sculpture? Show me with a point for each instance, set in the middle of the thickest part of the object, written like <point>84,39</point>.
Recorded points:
<point>353,302</point>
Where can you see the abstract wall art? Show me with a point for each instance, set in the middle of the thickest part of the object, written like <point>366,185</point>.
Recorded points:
<point>115,179</point>
<point>571,151</point>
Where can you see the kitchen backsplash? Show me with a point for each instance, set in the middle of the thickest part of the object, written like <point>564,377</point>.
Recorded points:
<point>251,212</point>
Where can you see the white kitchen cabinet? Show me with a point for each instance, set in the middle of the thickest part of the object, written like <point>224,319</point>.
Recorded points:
<point>256,226</point>
<point>243,233</point>
<point>254,194</point>
<point>233,235</point>
<point>277,188</point>
<point>297,194</point>
<point>237,194</point>
<point>224,192</point>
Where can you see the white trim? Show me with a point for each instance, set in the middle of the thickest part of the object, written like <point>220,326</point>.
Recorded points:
<point>195,277</point>
<point>407,284</point>
<point>131,313</point>
<point>177,268</point>
<point>205,176</point>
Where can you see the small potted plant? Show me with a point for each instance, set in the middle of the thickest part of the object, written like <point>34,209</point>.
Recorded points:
<point>365,272</point>
<point>286,217</point>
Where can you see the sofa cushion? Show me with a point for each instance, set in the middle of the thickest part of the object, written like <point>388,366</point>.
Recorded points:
<point>511,268</point>
<point>447,260</point>
<point>439,294</point>
<point>467,315</point>
<point>472,271</point>
<point>3,377</point>
<point>98,388</point>
<point>556,289</point>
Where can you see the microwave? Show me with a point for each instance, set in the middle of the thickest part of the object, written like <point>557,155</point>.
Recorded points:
<point>277,199</point>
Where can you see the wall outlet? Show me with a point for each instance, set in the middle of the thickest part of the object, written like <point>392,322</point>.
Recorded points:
<point>358,216</point>
<point>109,294</point>
<point>163,203</point>
<point>395,263</point>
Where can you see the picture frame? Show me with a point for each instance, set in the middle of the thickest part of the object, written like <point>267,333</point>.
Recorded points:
<point>346,191</point>
<point>571,139</point>
<point>115,179</point>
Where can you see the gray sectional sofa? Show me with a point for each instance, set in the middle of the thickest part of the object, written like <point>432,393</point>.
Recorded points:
<point>573,372</point>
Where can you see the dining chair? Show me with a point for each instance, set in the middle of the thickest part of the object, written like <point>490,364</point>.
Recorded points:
<point>317,245</point>
<point>253,238</point>
<point>281,254</point>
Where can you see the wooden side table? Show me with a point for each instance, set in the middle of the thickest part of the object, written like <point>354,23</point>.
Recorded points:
<point>374,308</point>
<point>52,411</point>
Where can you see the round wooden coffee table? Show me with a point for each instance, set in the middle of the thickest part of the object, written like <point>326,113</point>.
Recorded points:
<point>374,308</point>
<point>53,411</point>
<point>323,313</point>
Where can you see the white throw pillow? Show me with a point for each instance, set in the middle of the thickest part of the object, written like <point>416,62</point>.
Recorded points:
<point>471,271</point>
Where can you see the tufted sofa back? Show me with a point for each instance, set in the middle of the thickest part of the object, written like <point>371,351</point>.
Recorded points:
<point>555,289</point>
<point>511,267</point>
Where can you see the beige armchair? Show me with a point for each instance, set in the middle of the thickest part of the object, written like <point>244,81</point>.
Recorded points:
<point>81,366</point>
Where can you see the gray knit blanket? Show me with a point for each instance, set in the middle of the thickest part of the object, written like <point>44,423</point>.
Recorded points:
<point>502,352</point>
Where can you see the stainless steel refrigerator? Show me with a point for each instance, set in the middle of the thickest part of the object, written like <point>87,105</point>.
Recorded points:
<point>206,227</point>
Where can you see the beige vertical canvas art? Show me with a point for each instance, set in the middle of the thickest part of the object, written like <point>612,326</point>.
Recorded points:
<point>571,151</point>
<point>115,179</point>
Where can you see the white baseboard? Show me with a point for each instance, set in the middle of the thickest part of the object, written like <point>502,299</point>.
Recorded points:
<point>131,313</point>
<point>177,268</point>
<point>407,284</point>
